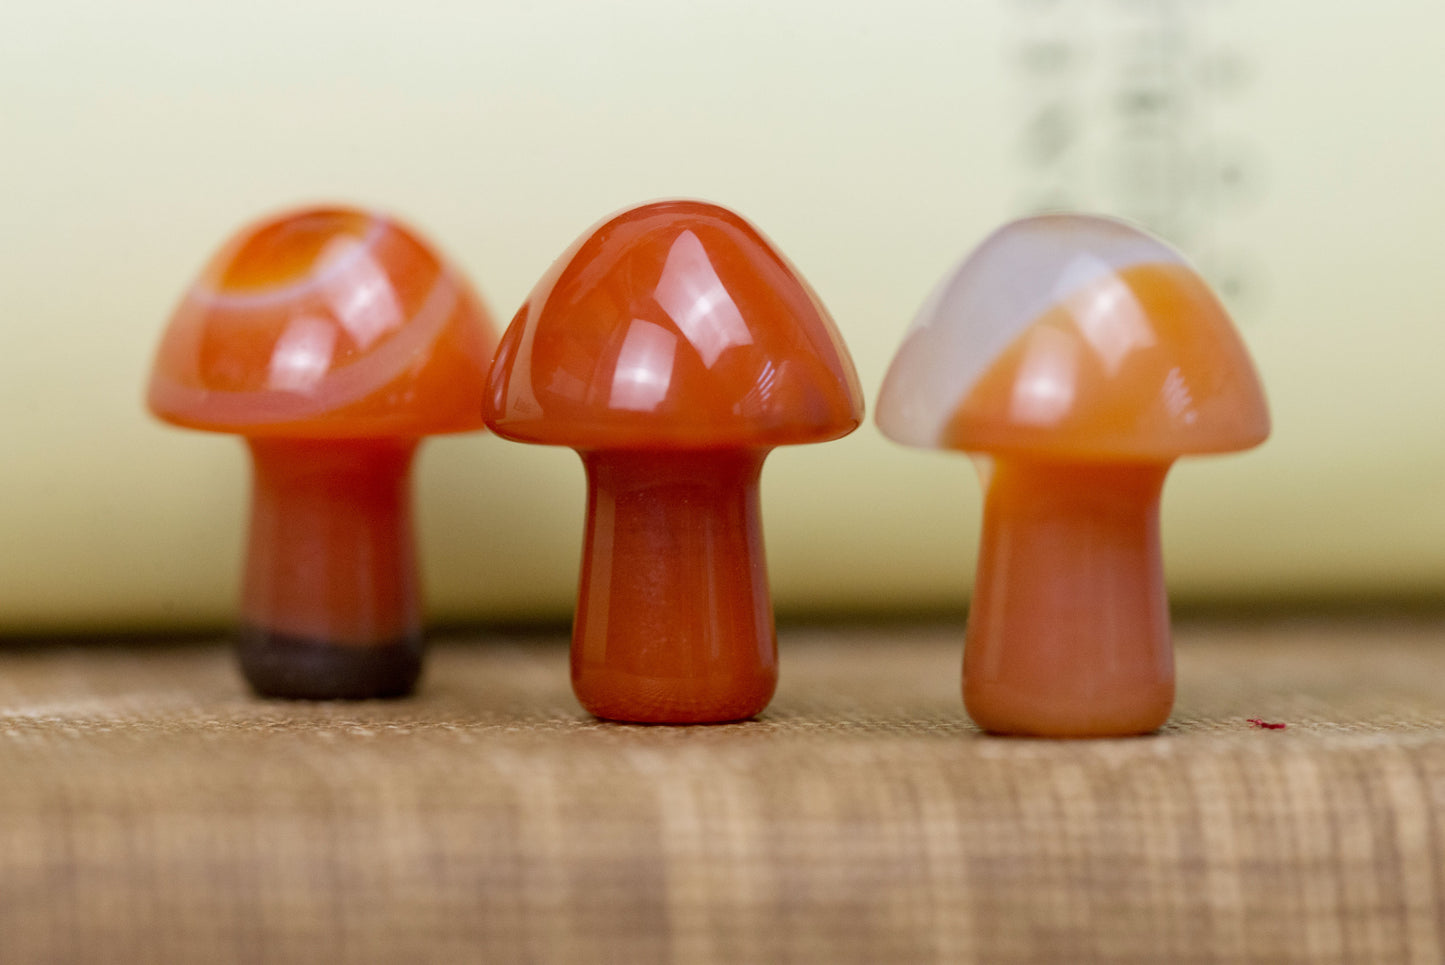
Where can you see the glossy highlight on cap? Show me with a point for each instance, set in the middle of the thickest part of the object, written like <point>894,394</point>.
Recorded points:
<point>674,323</point>
<point>325,322</point>
<point>1074,334</point>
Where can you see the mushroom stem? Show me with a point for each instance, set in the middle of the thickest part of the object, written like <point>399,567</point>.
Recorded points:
<point>1068,632</point>
<point>674,619</point>
<point>330,606</point>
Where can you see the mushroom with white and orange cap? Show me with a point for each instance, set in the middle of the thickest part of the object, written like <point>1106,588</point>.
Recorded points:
<point>672,346</point>
<point>1076,357</point>
<point>333,340</point>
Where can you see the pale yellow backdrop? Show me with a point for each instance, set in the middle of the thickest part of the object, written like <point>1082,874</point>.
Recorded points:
<point>1296,149</point>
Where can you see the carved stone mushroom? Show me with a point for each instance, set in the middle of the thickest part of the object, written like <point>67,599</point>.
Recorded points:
<point>333,340</point>
<point>1076,357</point>
<point>672,346</point>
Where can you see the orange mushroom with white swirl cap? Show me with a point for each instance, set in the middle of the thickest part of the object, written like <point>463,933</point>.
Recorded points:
<point>1077,357</point>
<point>333,340</point>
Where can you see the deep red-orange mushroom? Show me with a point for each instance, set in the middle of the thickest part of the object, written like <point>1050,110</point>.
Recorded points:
<point>672,346</point>
<point>1077,357</point>
<point>333,340</point>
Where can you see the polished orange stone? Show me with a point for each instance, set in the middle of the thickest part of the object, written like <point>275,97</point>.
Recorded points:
<point>333,340</point>
<point>1143,364</point>
<point>1068,629</point>
<point>673,347</point>
<point>1078,358</point>
<point>325,323</point>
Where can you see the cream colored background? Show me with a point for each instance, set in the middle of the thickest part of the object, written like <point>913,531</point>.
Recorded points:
<point>874,144</point>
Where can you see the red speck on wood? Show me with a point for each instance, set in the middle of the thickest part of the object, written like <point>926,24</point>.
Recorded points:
<point>1267,725</point>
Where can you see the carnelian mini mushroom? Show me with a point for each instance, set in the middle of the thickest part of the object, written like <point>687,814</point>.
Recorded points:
<point>333,340</point>
<point>1079,356</point>
<point>672,346</point>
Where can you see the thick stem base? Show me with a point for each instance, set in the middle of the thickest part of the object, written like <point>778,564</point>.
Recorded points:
<point>674,619</point>
<point>330,603</point>
<point>1068,634</point>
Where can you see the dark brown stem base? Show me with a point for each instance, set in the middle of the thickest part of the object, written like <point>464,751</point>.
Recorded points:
<point>299,668</point>
<point>331,606</point>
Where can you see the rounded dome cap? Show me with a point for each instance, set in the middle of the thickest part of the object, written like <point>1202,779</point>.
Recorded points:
<point>1073,335</point>
<point>325,322</point>
<point>674,324</point>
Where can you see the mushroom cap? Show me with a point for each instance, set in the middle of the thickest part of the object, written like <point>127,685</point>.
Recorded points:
<point>673,324</point>
<point>325,323</point>
<point>1074,336</point>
